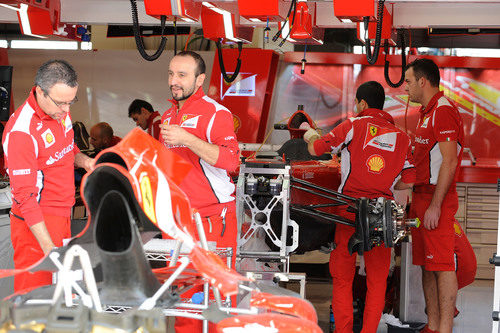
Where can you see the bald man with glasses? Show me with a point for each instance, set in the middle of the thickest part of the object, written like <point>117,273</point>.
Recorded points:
<point>40,155</point>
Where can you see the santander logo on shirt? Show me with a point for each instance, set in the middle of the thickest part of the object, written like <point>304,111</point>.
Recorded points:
<point>421,140</point>
<point>60,154</point>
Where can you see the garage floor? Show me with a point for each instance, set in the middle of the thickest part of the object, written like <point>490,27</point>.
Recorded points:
<point>475,303</point>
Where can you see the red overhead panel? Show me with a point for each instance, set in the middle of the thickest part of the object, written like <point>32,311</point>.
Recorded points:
<point>38,17</point>
<point>354,11</point>
<point>187,10</point>
<point>262,10</point>
<point>219,24</point>
<point>304,30</point>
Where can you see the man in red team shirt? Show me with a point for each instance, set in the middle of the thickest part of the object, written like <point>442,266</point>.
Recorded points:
<point>376,159</point>
<point>144,116</point>
<point>202,132</point>
<point>40,155</point>
<point>438,151</point>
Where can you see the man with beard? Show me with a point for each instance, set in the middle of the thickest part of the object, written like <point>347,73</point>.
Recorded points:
<point>201,131</point>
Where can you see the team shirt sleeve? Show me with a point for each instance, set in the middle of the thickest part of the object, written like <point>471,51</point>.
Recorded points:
<point>222,134</point>
<point>23,166</point>
<point>409,174</point>
<point>155,130</point>
<point>446,127</point>
<point>334,140</point>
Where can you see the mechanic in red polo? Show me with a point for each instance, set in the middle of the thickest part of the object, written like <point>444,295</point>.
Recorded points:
<point>375,160</point>
<point>438,152</point>
<point>144,116</point>
<point>40,156</point>
<point>202,132</point>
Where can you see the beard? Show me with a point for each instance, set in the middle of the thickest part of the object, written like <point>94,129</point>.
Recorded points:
<point>185,94</point>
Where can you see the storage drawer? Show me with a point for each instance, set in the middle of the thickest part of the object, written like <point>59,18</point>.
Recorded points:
<point>461,191</point>
<point>483,199</point>
<point>482,236</point>
<point>491,224</point>
<point>490,207</point>
<point>482,214</point>
<point>486,190</point>
<point>485,272</point>
<point>484,253</point>
<point>461,208</point>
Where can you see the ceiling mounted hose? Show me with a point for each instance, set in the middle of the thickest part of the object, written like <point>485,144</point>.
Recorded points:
<point>401,35</point>
<point>138,38</point>
<point>228,78</point>
<point>372,58</point>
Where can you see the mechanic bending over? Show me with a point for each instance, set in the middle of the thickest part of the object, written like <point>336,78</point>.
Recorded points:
<point>40,155</point>
<point>375,159</point>
<point>202,132</point>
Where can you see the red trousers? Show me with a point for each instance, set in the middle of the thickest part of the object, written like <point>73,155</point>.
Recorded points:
<point>227,240</point>
<point>434,249</point>
<point>27,251</point>
<point>342,268</point>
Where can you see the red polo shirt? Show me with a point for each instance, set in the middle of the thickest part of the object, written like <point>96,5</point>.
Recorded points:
<point>39,154</point>
<point>440,121</point>
<point>208,187</point>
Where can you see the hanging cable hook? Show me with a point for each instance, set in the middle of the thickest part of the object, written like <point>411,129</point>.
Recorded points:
<point>137,34</point>
<point>401,36</point>
<point>372,58</point>
<point>228,78</point>
<point>303,61</point>
<point>266,32</point>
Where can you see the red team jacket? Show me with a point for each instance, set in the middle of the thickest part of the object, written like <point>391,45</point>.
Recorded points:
<point>39,153</point>
<point>208,187</point>
<point>154,122</point>
<point>440,122</point>
<point>374,154</point>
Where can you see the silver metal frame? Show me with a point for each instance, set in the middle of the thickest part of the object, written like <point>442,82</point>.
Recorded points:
<point>244,201</point>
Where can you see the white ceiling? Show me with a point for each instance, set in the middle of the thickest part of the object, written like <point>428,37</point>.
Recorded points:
<point>407,13</point>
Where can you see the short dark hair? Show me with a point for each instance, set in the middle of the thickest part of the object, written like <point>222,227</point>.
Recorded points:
<point>373,93</point>
<point>137,105</point>
<point>53,72</point>
<point>200,63</point>
<point>426,68</point>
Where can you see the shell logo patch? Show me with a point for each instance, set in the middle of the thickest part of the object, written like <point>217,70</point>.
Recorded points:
<point>458,229</point>
<point>375,163</point>
<point>236,123</point>
<point>166,121</point>
<point>189,121</point>
<point>48,138</point>
<point>147,198</point>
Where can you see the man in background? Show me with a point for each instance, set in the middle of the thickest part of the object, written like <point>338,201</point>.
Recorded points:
<point>145,117</point>
<point>102,137</point>
<point>40,156</point>
<point>376,159</point>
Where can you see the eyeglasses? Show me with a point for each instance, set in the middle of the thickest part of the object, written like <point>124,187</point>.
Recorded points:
<point>61,104</point>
